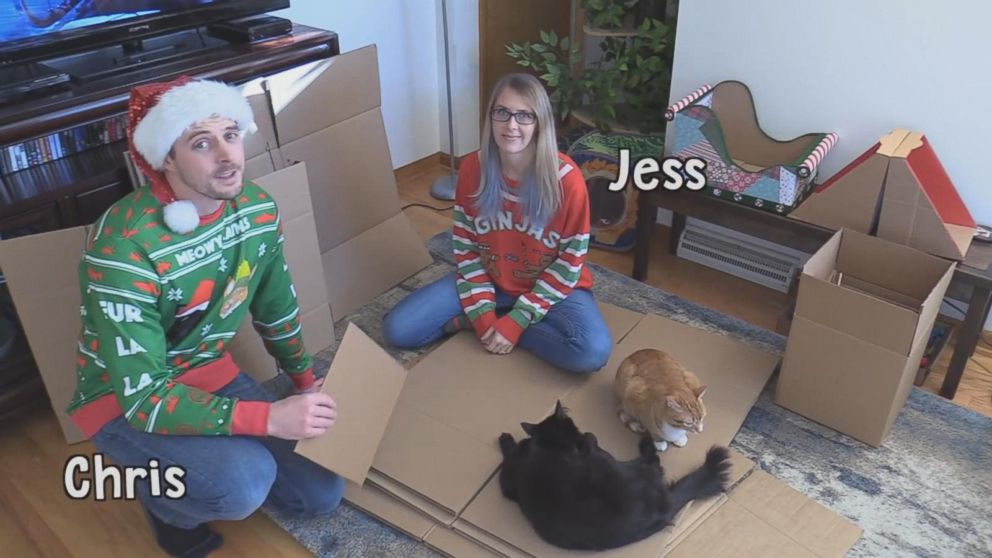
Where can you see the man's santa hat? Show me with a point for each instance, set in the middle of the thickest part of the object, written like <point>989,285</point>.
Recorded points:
<point>159,113</point>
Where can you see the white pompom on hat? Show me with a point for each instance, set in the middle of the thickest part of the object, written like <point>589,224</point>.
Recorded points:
<point>159,114</point>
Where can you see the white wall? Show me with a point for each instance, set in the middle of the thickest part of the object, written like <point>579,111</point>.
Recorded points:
<point>463,54</point>
<point>406,34</point>
<point>857,68</point>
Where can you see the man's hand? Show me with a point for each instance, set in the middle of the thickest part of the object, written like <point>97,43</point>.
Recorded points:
<point>314,388</point>
<point>302,416</point>
<point>495,343</point>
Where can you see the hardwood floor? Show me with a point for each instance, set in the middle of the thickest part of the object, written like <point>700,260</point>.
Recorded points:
<point>37,519</point>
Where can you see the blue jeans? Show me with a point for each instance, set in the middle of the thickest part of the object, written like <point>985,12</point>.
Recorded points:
<point>227,477</point>
<point>572,336</point>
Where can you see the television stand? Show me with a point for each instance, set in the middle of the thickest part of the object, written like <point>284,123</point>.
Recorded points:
<point>125,58</point>
<point>32,78</point>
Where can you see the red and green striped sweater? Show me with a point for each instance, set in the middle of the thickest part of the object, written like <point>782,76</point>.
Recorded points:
<point>159,309</point>
<point>539,267</point>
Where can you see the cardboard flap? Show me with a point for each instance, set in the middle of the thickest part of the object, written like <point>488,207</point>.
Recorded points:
<point>434,458</point>
<point>766,517</point>
<point>845,309</point>
<point>300,98</point>
<point>264,138</point>
<point>803,520</point>
<point>909,217</point>
<point>906,270</point>
<point>410,498</point>
<point>376,502</point>
<point>365,382</point>
<point>43,277</point>
<point>850,198</point>
<point>455,543</point>
<point>351,177</point>
<point>372,263</point>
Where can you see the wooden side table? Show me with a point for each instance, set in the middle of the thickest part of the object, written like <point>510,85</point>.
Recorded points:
<point>807,237</point>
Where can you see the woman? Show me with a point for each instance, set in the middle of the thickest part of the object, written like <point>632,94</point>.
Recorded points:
<point>520,238</point>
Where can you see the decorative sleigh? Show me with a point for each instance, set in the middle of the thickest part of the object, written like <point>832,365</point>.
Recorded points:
<point>720,125</point>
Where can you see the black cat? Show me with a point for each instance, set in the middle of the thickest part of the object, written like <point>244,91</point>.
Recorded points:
<point>579,497</point>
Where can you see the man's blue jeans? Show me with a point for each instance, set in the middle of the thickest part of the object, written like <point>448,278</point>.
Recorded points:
<point>572,336</point>
<point>227,477</point>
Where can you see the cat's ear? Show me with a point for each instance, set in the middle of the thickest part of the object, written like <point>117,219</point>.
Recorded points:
<point>559,410</point>
<point>673,404</point>
<point>528,428</point>
<point>699,391</point>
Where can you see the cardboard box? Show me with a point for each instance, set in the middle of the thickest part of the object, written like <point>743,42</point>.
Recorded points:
<point>328,114</point>
<point>899,190</point>
<point>864,313</point>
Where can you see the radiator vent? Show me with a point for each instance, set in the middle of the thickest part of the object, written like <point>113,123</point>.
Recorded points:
<point>739,254</point>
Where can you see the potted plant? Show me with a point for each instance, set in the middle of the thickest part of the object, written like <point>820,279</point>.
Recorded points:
<point>627,88</point>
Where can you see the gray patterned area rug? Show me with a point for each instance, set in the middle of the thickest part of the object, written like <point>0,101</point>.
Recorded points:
<point>926,492</point>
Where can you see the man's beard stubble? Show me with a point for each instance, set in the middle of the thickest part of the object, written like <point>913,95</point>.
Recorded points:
<point>207,188</point>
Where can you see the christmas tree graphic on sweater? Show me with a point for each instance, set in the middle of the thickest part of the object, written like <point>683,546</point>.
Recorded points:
<point>159,309</point>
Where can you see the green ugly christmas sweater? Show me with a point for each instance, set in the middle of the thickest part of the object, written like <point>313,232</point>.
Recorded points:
<point>159,309</point>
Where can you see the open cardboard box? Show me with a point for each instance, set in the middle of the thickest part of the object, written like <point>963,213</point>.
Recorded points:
<point>899,190</point>
<point>431,472</point>
<point>864,313</point>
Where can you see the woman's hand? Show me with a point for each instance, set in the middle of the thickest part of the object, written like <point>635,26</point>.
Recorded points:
<point>495,343</point>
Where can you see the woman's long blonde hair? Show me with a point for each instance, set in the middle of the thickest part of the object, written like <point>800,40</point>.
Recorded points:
<point>540,188</point>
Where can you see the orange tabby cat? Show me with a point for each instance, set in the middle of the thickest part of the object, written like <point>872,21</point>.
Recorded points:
<point>659,396</point>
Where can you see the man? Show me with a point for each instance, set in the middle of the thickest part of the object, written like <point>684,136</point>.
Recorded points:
<point>168,275</point>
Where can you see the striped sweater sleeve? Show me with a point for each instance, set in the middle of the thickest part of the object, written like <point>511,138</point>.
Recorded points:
<point>475,287</point>
<point>557,280</point>
<point>276,317</point>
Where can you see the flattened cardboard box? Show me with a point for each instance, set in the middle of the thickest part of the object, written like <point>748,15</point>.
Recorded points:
<point>328,114</point>
<point>46,290</point>
<point>418,498</point>
<point>899,190</point>
<point>853,353</point>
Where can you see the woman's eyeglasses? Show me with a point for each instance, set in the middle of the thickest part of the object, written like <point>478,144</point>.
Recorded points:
<point>523,117</point>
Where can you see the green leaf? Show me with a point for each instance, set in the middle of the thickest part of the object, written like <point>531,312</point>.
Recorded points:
<point>565,43</point>
<point>554,38</point>
<point>524,63</point>
<point>545,37</point>
<point>549,57</point>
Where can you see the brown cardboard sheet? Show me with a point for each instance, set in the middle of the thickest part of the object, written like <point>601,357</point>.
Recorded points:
<point>441,441</point>
<point>365,382</point>
<point>328,114</point>
<point>47,299</point>
<point>735,375</point>
<point>376,502</point>
<point>351,177</point>
<point>763,516</point>
<point>372,263</point>
<point>455,543</point>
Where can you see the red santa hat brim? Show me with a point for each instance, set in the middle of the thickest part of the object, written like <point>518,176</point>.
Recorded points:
<point>182,106</point>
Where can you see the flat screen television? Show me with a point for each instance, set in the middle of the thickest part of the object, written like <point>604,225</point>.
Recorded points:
<point>36,29</point>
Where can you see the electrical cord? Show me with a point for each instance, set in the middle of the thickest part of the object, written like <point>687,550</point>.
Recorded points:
<point>438,209</point>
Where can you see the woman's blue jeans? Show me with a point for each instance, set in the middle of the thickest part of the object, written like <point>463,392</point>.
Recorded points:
<point>572,336</point>
<point>227,477</point>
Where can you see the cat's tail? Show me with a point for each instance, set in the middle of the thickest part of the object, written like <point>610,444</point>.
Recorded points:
<point>709,480</point>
